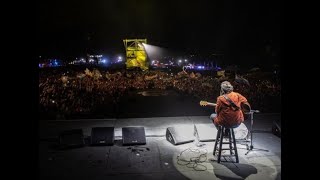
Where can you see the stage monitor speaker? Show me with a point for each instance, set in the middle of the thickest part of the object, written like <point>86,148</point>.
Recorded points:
<point>71,138</point>
<point>180,134</point>
<point>102,136</point>
<point>206,132</point>
<point>133,136</point>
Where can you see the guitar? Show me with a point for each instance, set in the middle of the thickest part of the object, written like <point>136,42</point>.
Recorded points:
<point>206,103</point>
<point>245,107</point>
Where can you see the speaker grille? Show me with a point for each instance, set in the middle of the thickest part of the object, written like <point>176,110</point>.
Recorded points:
<point>133,136</point>
<point>102,136</point>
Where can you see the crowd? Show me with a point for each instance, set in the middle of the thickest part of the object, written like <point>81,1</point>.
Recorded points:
<point>74,91</point>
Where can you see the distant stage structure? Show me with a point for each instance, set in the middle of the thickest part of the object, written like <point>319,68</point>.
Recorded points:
<point>136,55</point>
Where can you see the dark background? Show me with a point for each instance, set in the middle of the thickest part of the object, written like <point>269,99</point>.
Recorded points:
<point>244,32</point>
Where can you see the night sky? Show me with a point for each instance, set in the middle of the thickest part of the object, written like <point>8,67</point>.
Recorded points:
<point>245,32</point>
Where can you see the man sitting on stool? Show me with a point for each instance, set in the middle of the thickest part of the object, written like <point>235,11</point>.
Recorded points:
<point>228,112</point>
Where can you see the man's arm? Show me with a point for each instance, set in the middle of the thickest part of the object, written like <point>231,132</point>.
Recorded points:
<point>244,102</point>
<point>242,99</point>
<point>218,106</point>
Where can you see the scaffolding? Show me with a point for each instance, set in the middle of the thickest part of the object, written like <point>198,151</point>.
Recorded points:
<point>136,55</point>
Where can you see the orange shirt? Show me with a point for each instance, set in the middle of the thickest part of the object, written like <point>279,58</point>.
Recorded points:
<point>226,116</point>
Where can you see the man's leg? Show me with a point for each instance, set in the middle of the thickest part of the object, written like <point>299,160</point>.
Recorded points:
<point>212,116</point>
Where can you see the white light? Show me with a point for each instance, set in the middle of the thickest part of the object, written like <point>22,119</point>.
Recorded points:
<point>180,61</point>
<point>185,60</point>
<point>119,57</point>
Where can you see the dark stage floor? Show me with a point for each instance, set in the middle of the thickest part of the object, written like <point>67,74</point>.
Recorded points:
<point>158,158</point>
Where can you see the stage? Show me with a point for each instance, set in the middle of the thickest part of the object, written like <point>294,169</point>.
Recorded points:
<point>157,159</point>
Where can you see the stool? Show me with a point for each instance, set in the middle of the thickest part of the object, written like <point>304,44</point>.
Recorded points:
<point>231,142</point>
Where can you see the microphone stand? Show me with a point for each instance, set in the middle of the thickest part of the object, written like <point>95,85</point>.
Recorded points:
<point>197,140</point>
<point>251,148</point>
